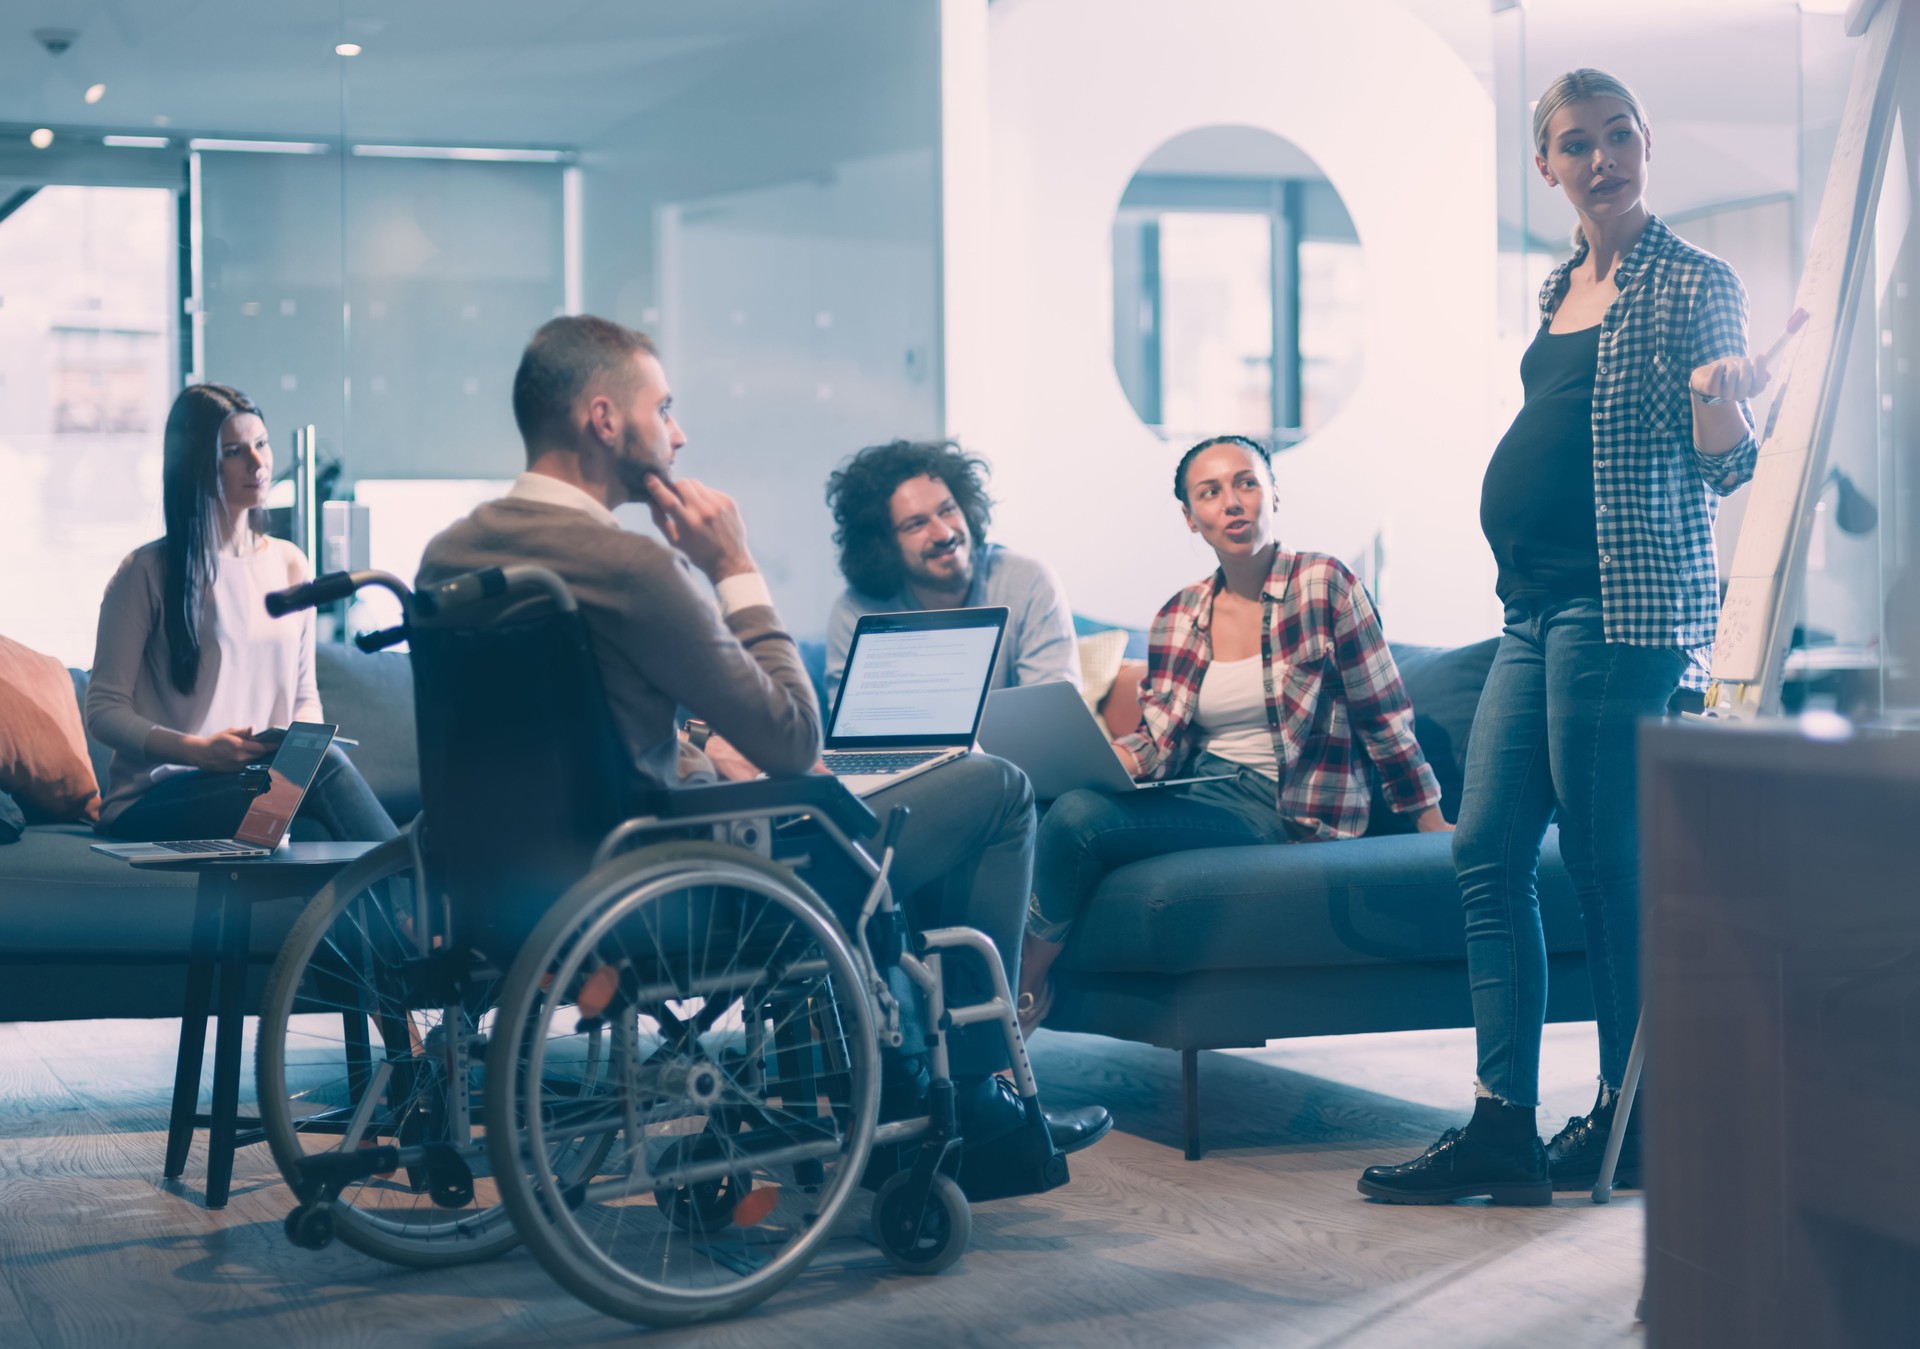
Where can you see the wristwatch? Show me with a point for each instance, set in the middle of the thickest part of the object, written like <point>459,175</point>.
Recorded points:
<point>698,733</point>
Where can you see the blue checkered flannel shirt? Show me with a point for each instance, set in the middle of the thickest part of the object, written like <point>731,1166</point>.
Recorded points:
<point>1679,308</point>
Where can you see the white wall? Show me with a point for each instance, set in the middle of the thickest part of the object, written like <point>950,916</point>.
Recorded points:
<point>1079,93</point>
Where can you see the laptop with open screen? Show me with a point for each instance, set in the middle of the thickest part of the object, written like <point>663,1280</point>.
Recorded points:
<point>1050,734</point>
<point>294,766</point>
<point>911,695</point>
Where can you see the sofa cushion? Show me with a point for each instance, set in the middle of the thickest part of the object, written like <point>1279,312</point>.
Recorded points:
<point>43,747</point>
<point>1353,902</point>
<point>61,895</point>
<point>1443,684</point>
<point>370,697</point>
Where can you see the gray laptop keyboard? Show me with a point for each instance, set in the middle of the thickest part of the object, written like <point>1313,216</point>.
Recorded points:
<point>854,763</point>
<point>209,845</point>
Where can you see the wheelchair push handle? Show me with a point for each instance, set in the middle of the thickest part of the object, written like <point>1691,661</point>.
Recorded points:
<point>332,586</point>
<point>335,585</point>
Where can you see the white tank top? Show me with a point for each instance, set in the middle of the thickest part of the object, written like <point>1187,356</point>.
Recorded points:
<point>1231,715</point>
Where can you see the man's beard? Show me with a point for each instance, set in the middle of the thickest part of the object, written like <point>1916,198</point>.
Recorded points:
<point>634,466</point>
<point>954,584</point>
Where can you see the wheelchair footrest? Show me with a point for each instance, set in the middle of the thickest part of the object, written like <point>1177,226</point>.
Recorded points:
<point>1021,1163</point>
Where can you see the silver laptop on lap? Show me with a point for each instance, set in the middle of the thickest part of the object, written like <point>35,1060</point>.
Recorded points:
<point>1049,733</point>
<point>911,694</point>
<point>294,766</point>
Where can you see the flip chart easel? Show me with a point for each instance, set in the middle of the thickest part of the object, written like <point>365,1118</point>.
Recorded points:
<point>1770,558</point>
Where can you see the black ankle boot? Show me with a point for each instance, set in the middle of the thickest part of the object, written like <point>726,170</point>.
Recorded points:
<point>1497,1155</point>
<point>1575,1153</point>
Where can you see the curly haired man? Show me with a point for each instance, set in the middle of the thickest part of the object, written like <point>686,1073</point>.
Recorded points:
<point>910,521</point>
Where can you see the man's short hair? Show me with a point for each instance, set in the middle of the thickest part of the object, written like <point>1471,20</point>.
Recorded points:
<point>560,361</point>
<point>860,494</point>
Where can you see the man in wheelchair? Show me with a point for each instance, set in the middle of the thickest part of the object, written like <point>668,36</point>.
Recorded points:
<point>593,407</point>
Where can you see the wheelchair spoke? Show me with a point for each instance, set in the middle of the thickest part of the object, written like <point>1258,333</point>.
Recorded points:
<point>741,1097</point>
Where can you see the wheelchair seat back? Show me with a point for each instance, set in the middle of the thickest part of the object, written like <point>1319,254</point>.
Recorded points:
<point>522,769</point>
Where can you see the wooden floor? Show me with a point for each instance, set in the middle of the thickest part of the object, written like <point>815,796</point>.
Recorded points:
<point>1264,1242</point>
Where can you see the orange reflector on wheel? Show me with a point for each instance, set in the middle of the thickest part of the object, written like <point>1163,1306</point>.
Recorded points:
<point>598,991</point>
<point>756,1206</point>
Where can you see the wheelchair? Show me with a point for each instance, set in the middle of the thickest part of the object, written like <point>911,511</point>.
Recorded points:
<point>615,1022</point>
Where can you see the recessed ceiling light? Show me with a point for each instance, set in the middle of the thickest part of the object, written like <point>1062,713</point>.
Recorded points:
<point>96,92</point>
<point>136,142</point>
<point>347,49</point>
<point>41,138</point>
<point>161,119</point>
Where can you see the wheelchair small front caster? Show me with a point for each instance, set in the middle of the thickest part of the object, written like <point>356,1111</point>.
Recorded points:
<point>927,1242</point>
<point>310,1226</point>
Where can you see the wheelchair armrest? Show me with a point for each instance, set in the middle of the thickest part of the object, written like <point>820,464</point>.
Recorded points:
<point>814,791</point>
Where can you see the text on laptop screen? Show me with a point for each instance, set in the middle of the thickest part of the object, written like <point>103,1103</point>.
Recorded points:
<point>916,683</point>
<point>294,765</point>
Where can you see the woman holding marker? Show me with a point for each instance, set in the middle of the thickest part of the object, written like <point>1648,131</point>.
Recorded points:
<point>1599,506</point>
<point>190,676</point>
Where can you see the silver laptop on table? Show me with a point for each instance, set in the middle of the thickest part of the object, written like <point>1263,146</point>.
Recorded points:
<point>1049,733</point>
<point>911,694</point>
<point>292,771</point>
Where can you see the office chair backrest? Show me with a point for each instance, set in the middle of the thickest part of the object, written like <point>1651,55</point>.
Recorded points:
<point>522,771</point>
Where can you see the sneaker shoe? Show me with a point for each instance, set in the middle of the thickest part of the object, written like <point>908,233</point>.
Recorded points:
<point>1575,1153</point>
<point>1497,1156</point>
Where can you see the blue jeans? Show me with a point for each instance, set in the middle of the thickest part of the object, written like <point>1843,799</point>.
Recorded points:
<point>339,806</point>
<point>1086,834</point>
<point>965,858</point>
<point>1555,734</point>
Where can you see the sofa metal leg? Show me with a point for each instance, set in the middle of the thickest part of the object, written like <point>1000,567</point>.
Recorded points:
<point>1190,1100</point>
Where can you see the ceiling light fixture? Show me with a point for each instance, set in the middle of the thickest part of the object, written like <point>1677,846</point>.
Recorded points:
<point>261,147</point>
<point>347,49</point>
<point>41,138</point>
<point>136,142</point>
<point>496,156</point>
<point>95,92</point>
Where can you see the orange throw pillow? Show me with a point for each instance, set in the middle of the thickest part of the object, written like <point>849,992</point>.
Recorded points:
<point>43,746</point>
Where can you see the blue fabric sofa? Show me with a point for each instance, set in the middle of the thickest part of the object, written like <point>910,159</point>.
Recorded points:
<point>84,936</point>
<point>1232,947</point>
<point>1214,949</point>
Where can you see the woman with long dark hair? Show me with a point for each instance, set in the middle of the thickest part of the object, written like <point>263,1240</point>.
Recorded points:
<point>189,672</point>
<point>1598,503</point>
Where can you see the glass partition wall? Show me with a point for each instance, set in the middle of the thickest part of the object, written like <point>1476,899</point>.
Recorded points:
<point>364,219</point>
<point>364,242</point>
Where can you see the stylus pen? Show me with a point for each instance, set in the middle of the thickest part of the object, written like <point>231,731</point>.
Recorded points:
<point>1795,322</point>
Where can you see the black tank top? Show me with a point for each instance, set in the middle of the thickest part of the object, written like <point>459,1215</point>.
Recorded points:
<point>1536,502</point>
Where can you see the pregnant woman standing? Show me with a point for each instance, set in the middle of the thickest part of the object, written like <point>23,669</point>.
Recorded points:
<point>1599,505</point>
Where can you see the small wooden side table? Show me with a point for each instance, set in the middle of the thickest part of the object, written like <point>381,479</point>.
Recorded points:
<point>218,958</point>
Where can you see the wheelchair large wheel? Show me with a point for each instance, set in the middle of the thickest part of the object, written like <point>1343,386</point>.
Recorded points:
<point>742,1091</point>
<point>367,1039</point>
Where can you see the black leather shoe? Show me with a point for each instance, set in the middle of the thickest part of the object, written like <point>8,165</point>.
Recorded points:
<point>1072,1130</point>
<point>1575,1153</point>
<point>990,1108</point>
<point>1497,1156</point>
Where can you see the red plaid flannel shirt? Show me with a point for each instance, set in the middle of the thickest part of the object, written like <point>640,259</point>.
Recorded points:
<point>1338,681</point>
